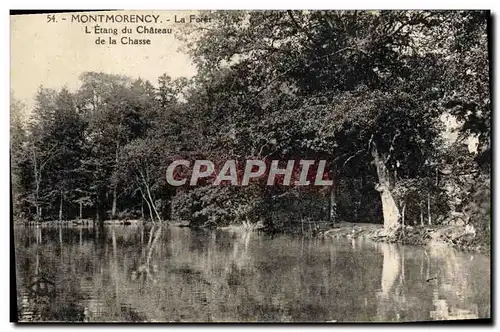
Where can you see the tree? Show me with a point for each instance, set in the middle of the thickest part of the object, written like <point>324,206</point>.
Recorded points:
<point>115,116</point>
<point>68,130</point>
<point>19,164</point>
<point>468,97</point>
<point>141,159</point>
<point>357,80</point>
<point>43,148</point>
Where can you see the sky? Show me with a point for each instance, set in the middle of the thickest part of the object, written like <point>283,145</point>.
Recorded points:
<point>55,54</point>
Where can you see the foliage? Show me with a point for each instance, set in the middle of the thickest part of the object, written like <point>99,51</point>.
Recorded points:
<point>478,208</point>
<point>365,90</point>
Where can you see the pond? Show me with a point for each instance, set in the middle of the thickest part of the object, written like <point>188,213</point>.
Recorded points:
<point>172,274</point>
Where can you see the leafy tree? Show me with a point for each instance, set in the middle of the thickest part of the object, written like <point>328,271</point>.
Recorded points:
<point>20,176</point>
<point>353,77</point>
<point>364,90</point>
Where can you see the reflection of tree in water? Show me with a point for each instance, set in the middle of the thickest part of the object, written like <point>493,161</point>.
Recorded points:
<point>442,310</point>
<point>146,272</point>
<point>390,269</point>
<point>222,276</point>
<point>76,261</point>
<point>214,274</point>
<point>237,267</point>
<point>49,289</point>
<point>443,285</point>
<point>127,277</point>
<point>451,295</point>
<point>392,296</point>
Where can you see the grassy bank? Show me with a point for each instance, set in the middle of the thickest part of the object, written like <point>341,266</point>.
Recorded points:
<point>460,237</point>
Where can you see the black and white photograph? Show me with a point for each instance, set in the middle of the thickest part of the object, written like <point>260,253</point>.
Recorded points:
<point>251,166</point>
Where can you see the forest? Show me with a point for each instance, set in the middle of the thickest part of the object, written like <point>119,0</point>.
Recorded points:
<point>371,92</point>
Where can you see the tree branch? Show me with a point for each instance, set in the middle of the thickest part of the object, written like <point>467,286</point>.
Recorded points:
<point>351,157</point>
<point>391,148</point>
<point>289,12</point>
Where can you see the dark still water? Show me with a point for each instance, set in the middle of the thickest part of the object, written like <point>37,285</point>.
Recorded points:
<point>130,273</point>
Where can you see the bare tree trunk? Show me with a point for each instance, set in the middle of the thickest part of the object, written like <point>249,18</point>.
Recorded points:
<point>150,209</point>
<point>142,209</point>
<point>389,207</point>
<point>153,204</point>
<point>429,217</point>
<point>101,209</point>
<point>421,214</point>
<point>37,173</point>
<point>151,201</point>
<point>38,210</point>
<point>61,207</point>
<point>37,187</point>
<point>403,215</point>
<point>81,210</point>
<point>115,185</point>
<point>113,206</point>
<point>333,205</point>
<point>149,205</point>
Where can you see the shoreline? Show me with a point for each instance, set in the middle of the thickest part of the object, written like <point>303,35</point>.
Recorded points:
<point>453,236</point>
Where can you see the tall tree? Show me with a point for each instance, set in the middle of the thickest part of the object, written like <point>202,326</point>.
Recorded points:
<point>357,79</point>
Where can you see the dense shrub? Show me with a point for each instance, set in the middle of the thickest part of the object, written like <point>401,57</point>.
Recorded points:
<point>478,207</point>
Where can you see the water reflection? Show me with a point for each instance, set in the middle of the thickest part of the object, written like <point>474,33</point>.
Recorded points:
<point>130,273</point>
